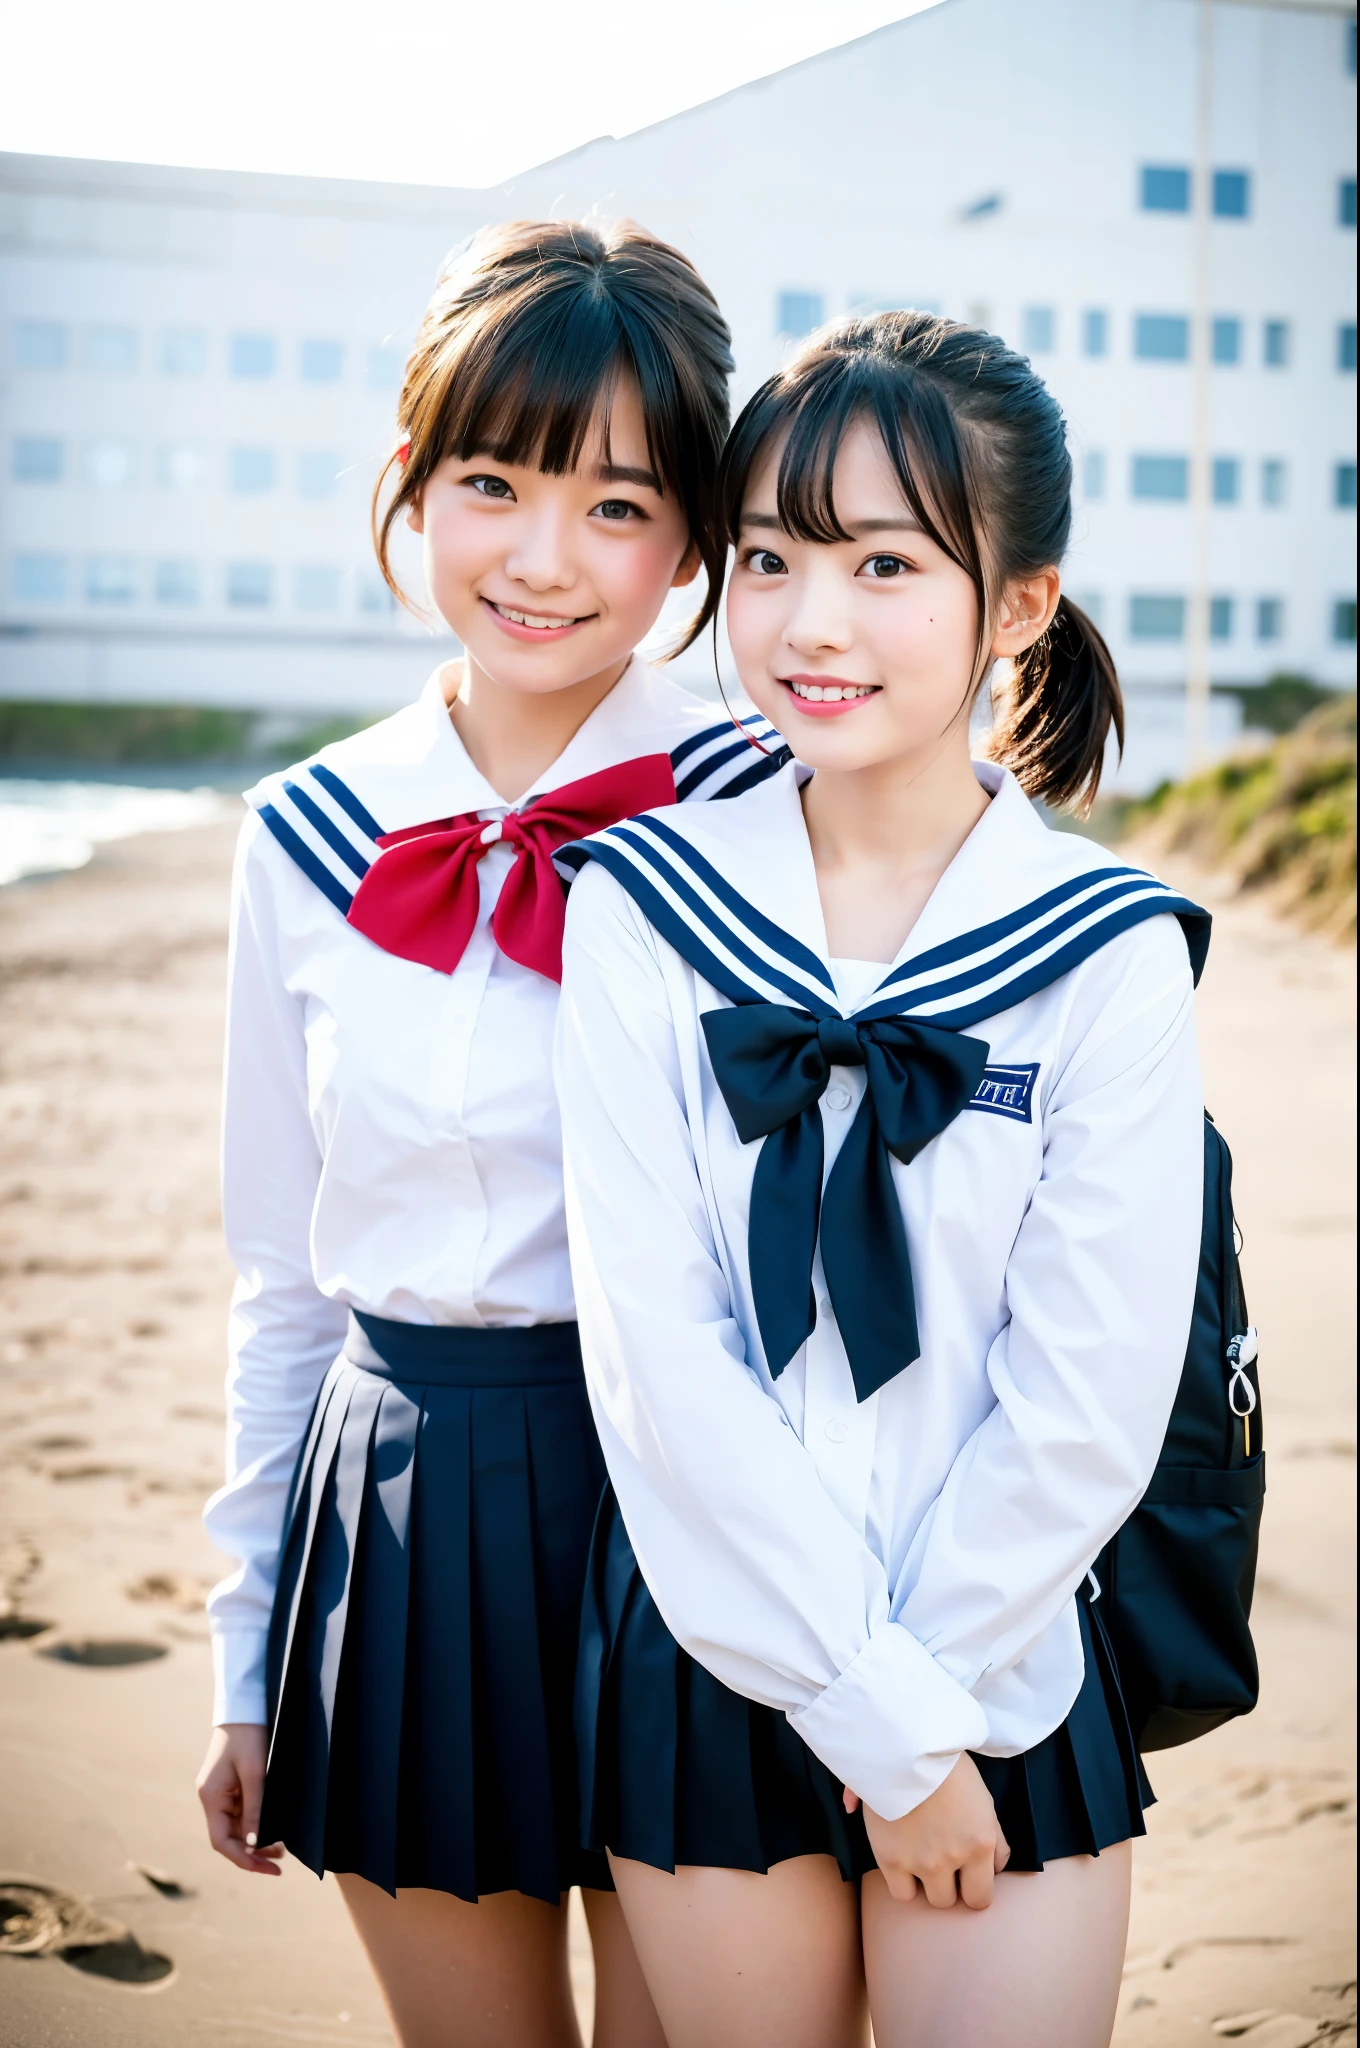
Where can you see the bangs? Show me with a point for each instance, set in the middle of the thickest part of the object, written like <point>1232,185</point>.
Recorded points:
<point>814,405</point>
<point>531,387</point>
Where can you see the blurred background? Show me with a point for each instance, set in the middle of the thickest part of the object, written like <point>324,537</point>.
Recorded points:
<point>218,230</point>
<point>1154,199</point>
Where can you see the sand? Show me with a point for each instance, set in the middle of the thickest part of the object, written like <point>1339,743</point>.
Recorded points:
<point>112,1288</point>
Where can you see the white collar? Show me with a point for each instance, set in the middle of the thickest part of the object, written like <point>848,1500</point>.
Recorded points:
<point>412,768</point>
<point>733,888</point>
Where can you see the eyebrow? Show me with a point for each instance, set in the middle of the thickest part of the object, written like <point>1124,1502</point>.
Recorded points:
<point>616,473</point>
<point>906,524</point>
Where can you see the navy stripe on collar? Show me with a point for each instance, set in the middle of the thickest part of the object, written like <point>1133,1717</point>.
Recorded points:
<point>749,959</point>
<point>332,836</point>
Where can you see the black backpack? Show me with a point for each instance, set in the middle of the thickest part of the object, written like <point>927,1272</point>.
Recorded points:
<point>1176,1581</point>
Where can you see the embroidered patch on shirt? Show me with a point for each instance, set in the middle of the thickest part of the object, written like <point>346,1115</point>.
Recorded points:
<point>1007,1091</point>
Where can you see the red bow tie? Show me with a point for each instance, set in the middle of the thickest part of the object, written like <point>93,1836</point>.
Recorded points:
<point>420,900</point>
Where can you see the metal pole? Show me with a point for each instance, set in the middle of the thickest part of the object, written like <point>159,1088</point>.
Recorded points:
<point>1201,419</point>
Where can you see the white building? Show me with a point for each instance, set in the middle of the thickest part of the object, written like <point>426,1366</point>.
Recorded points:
<point>199,368</point>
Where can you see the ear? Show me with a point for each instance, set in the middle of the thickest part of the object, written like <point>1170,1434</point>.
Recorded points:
<point>415,516</point>
<point>689,566</point>
<point>1025,613</point>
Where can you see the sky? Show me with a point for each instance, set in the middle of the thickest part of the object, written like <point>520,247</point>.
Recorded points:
<point>442,92</point>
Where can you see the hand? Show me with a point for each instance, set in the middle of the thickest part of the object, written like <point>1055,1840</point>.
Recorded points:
<point>230,1786</point>
<point>951,1844</point>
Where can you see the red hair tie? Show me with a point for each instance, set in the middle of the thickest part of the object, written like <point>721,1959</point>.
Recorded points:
<point>404,451</point>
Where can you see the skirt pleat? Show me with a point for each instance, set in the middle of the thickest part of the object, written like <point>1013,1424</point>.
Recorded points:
<point>423,1644</point>
<point>678,1769</point>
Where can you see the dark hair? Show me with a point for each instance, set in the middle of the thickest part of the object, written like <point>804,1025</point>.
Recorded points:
<point>979,447</point>
<point>530,327</point>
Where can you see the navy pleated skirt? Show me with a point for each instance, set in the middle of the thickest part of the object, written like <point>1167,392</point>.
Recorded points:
<point>677,1769</point>
<point>424,1636</point>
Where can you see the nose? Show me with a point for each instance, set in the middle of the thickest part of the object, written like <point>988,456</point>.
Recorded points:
<point>820,620</point>
<point>540,555</point>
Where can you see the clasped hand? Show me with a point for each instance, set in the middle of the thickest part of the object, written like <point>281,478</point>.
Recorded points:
<point>951,1845</point>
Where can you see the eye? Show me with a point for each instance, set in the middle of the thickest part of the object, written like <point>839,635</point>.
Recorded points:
<point>879,568</point>
<point>490,487</point>
<point>765,562</point>
<point>617,510</point>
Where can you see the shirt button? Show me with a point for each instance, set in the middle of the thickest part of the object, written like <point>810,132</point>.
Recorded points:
<point>838,1096</point>
<point>837,1430</point>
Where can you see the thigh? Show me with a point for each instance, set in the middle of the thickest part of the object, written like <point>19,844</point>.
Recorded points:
<point>737,1959</point>
<point>1040,1968</point>
<point>455,1975</point>
<point>625,2016</point>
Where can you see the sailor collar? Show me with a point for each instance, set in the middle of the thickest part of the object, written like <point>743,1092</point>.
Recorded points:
<point>330,812</point>
<point>734,890</point>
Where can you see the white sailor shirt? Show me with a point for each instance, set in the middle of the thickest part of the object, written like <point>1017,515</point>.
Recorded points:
<point>390,1134</point>
<point>896,1573</point>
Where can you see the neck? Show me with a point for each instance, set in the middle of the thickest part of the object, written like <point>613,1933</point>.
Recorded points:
<point>881,838</point>
<point>512,736</point>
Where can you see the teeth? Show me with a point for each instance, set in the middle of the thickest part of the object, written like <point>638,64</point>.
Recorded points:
<point>831,693</point>
<point>536,625</point>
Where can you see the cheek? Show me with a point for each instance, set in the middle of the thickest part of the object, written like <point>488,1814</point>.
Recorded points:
<point>633,572</point>
<point>753,618</point>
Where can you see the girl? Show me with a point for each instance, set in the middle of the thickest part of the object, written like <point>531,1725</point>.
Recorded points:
<point>412,1472</point>
<point>883,1141</point>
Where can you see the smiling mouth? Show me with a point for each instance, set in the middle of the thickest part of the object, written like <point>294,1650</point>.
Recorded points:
<point>809,691</point>
<point>534,622</point>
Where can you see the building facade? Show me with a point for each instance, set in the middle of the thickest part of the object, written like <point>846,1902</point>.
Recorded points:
<point>199,369</point>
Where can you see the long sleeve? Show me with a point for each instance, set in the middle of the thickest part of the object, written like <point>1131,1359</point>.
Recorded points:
<point>283,1331</point>
<point>1100,1285</point>
<point>753,1568</point>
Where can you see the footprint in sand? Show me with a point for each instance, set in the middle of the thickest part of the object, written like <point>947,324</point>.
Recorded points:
<point>18,1628</point>
<point>103,1653</point>
<point>38,1919</point>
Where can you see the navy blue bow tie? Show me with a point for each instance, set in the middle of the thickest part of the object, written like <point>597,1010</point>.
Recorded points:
<point>772,1064</point>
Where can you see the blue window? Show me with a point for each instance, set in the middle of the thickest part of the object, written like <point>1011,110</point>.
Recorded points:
<point>1093,473</point>
<point>375,597</point>
<point>251,469</point>
<point>1343,620</point>
<point>250,585</point>
<point>1345,202</point>
<point>1343,486</point>
<point>1275,344</point>
<point>184,352</point>
<point>1274,478</point>
<point>1095,332</point>
<point>40,345</point>
<point>1226,477</point>
<point>317,473</point>
<point>1269,618</point>
<point>112,349</point>
<point>1226,339</point>
<point>252,355</point>
<point>177,583</point>
<point>316,589</point>
<point>1350,67</point>
<point>1040,326</point>
<point>41,579</point>
<point>1232,194</point>
<point>1157,618</point>
<point>1166,477</point>
<point>322,362</point>
<point>1164,188</point>
<point>1161,337</point>
<point>1345,345</point>
<point>38,459</point>
<point>1220,618</point>
<point>384,368</point>
<point>110,579</point>
<point>797,313</point>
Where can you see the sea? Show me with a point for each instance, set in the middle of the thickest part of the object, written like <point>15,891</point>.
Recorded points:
<point>50,826</point>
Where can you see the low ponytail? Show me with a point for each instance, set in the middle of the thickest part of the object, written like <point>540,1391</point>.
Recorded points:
<point>1051,723</point>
